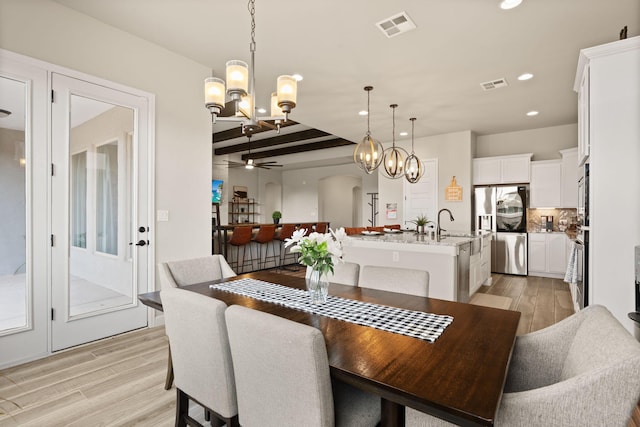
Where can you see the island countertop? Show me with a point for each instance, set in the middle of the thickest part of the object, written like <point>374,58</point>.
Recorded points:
<point>447,260</point>
<point>448,243</point>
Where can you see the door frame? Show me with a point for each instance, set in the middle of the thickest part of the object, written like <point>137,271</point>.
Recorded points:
<point>32,342</point>
<point>41,127</point>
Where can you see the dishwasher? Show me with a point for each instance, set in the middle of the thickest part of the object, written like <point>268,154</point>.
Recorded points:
<point>464,255</point>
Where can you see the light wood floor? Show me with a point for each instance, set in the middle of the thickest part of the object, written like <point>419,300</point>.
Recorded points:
<point>119,381</point>
<point>541,301</point>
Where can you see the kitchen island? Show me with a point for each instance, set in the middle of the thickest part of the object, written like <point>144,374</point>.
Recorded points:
<point>446,259</point>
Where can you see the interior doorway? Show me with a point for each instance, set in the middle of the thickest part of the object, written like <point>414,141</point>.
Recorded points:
<point>340,200</point>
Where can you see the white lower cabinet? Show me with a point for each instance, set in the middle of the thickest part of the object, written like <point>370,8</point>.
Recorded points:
<point>474,273</point>
<point>480,266</point>
<point>548,254</point>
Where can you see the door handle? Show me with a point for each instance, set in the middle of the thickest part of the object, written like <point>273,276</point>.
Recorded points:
<point>141,243</point>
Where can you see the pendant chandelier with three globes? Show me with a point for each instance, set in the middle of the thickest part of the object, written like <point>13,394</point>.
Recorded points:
<point>369,153</point>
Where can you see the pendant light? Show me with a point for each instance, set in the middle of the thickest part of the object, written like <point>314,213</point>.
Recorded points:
<point>369,153</point>
<point>413,169</point>
<point>241,89</point>
<point>394,156</point>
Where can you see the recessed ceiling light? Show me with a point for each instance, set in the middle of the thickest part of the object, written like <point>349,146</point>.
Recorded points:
<point>261,110</point>
<point>509,4</point>
<point>404,133</point>
<point>363,113</point>
<point>298,77</point>
<point>532,113</point>
<point>525,76</point>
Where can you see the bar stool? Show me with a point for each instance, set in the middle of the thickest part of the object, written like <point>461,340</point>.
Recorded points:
<point>351,231</point>
<point>308,227</point>
<point>265,237</point>
<point>240,239</point>
<point>321,227</point>
<point>286,231</point>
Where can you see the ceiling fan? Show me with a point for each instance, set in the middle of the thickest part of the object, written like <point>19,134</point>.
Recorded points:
<point>251,163</point>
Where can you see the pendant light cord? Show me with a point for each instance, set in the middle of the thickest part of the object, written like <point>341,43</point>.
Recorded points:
<point>393,136</point>
<point>368,110</point>
<point>252,10</point>
<point>413,122</point>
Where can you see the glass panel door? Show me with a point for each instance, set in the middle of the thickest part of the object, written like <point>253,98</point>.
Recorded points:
<point>24,237</point>
<point>99,207</point>
<point>15,294</point>
<point>101,266</point>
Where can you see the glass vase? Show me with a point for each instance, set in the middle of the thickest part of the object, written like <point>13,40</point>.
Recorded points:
<point>318,286</point>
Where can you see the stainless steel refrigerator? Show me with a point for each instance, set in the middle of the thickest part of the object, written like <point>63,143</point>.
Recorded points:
<point>503,211</point>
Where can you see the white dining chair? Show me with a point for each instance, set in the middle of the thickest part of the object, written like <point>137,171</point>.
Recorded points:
<point>344,273</point>
<point>393,279</point>
<point>194,270</point>
<point>173,274</point>
<point>202,363</point>
<point>282,376</point>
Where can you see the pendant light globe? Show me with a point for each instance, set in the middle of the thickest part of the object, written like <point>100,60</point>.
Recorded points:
<point>413,168</point>
<point>369,153</point>
<point>394,157</point>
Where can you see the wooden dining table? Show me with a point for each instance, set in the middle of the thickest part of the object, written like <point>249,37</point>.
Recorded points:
<point>459,377</point>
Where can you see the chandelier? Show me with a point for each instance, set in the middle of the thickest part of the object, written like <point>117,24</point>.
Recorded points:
<point>413,169</point>
<point>394,156</point>
<point>369,152</point>
<point>240,87</point>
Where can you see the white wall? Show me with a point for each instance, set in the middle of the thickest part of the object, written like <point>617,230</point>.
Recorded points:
<point>300,192</point>
<point>544,143</point>
<point>48,31</point>
<point>256,181</point>
<point>336,203</point>
<point>454,154</point>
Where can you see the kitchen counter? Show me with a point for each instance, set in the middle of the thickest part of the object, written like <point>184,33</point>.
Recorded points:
<point>446,260</point>
<point>448,243</point>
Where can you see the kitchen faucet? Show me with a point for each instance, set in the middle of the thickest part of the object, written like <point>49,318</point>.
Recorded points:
<point>438,229</point>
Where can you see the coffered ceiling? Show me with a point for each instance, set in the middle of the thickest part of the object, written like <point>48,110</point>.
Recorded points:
<point>433,72</point>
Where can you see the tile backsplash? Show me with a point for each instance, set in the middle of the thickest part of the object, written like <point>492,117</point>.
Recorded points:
<point>534,222</point>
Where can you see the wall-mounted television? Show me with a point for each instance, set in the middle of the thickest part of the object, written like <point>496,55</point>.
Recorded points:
<point>216,191</point>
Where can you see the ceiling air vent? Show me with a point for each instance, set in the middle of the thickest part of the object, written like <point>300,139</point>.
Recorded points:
<point>397,24</point>
<point>494,84</point>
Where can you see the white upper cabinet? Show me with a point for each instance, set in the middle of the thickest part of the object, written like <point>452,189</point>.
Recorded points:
<point>502,170</point>
<point>546,184</point>
<point>554,183</point>
<point>569,178</point>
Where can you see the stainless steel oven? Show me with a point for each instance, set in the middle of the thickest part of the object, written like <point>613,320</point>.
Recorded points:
<point>582,245</point>
<point>583,196</point>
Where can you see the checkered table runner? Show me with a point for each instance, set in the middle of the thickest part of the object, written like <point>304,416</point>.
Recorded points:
<point>416,324</point>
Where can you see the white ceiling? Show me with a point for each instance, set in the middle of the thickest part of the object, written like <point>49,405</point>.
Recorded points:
<point>433,72</point>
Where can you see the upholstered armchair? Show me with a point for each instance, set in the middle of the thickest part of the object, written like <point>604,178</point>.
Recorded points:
<point>393,279</point>
<point>174,274</point>
<point>582,371</point>
<point>344,273</point>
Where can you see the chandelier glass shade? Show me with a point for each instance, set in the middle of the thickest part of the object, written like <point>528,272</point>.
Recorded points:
<point>369,153</point>
<point>394,157</point>
<point>413,169</point>
<point>240,88</point>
